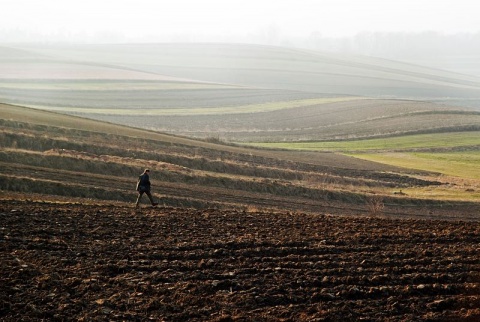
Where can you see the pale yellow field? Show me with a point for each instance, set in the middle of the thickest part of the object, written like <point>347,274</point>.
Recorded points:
<point>249,108</point>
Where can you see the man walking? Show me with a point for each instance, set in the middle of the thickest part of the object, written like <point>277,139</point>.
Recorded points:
<point>143,186</point>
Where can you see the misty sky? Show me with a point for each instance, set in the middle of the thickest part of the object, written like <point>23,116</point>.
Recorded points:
<point>223,20</point>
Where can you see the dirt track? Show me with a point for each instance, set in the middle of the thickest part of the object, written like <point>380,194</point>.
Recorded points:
<point>100,262</point>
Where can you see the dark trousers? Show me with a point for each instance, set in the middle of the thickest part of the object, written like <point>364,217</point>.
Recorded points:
<point>140,194</point>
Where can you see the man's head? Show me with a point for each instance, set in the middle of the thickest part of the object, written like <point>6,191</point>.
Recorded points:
<point>147,171</point>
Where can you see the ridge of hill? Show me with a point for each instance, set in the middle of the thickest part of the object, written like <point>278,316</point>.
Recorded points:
<point>55,154</point>
<point>268,66</point>
<point>239,93</point>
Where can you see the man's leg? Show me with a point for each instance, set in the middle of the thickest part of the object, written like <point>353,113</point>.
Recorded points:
<point>151,198</point>
<point>140,194</point>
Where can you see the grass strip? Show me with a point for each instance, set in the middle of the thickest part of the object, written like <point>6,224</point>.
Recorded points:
<point>407,142</point>
<point>241,109</point>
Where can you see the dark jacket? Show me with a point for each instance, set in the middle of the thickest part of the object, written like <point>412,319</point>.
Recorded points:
<point>143,183</point>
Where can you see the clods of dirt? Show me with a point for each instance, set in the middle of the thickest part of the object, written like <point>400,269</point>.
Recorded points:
<point>99,262</point>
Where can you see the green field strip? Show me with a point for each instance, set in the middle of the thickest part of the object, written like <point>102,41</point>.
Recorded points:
<point>248,108</point>
<point>459,164</point>
<point>408,142</point>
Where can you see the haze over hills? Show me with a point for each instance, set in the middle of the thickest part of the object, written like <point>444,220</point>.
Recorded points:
<point>275,67</point>
<point>239,92</point>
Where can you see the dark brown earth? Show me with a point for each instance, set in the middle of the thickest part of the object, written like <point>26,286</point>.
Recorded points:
<point>109,262</point>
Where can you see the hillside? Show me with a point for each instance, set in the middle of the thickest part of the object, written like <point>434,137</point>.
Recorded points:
<point>347,119</point>
<point>240,233</point>
<point>276,67</point>
<point>55,154</point>
<point>239,93</point>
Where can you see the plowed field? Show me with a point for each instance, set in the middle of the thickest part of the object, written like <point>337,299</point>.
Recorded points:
<point>111,262</point>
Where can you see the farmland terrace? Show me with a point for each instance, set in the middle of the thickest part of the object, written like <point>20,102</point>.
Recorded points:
<point>240,93</point>
<point>44,152</point>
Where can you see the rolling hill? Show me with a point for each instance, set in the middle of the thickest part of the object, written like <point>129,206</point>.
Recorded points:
<point>276,67</point>
<point>264,234</point>
<point>55,154</point>
<point>239,93</point>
